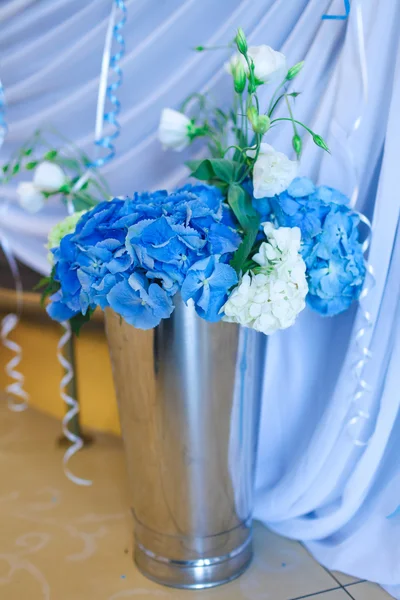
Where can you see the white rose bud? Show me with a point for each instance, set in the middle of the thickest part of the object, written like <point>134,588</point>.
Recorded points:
<point>48,177</point>
<point>270,66</point>
<point>29,197</point>
<point>173,131</point>
<point>273,172</point>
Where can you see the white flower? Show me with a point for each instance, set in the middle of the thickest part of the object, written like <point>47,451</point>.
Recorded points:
<point>30,198</point>
<point>48,177</point>
<point>173,131</point>
<point>272,297</point>
<point>270,66</point>
<point>273,172</point>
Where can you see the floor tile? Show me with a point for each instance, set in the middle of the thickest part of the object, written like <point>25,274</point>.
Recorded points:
<point>345,579</point>
<point>62,541</point>
<point>333,595</point>
<point>368,591</point>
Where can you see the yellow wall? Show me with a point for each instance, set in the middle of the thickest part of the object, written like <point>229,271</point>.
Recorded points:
<point>43,373</point>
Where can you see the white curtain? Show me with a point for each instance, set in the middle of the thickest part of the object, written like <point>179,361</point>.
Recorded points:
<point>315,482</point>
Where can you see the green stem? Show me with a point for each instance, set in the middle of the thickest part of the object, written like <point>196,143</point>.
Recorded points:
<point>274,94</point>
<point>294,121</point>
<point>291,114</point>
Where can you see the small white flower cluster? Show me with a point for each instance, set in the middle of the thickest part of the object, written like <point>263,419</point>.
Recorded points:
<point>271,297</point>
<point>48,177</point>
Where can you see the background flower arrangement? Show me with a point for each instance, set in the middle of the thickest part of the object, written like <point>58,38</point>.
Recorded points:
<point>247,246</point>
<point>65,173</point>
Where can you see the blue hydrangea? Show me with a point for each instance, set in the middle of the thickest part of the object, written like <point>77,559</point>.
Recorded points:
<point>207,283</point>
<point>134,254</point>
<point>139,302</point>
<point>330,245</point>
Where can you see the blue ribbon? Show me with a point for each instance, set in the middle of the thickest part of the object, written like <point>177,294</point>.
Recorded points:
<point>111,117</point>
<point>340,17</point>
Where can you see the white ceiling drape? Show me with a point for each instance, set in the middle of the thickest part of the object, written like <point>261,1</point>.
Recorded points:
<point>313,481</point>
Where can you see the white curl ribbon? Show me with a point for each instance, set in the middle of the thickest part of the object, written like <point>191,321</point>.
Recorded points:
<point>8,324</point>
<point>15,389</point>
<point>72,403</point>
<point>363,354</point>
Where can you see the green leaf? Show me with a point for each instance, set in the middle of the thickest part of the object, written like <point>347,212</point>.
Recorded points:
<point>201,169</point>
<point>240,203</point>
<point>5,168</point>
<point>28,151</point>
<point>16,169</point>
<point>50,155</point>
<point>224,169</point>
<point>216,168</point>
<point>64,189</point>
<point>78,320</point>
<point>48,285</point>
<point>242,253</point>
<point>31,165</point>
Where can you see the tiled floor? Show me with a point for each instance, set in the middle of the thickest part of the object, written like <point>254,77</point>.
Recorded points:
<point>62,542</point>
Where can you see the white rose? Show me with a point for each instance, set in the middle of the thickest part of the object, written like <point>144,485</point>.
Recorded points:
<point>29,197</point>
<point>270,66</point>
<point>273,172</point>
<point>174,129</point>
<point>48,177</point>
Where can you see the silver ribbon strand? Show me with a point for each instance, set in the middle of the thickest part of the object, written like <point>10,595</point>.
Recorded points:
<point>73,406</point>
<point>72,403</point>
<point>108,61</point>
<point>362,353</point>
<point>17,397</point>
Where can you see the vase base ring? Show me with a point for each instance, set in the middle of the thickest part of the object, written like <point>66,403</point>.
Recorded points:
<point>195,574</point>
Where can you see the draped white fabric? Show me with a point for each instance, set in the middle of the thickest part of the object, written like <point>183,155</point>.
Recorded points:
<point>314,482</point>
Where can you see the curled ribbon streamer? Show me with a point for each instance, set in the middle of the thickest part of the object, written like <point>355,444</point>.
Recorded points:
<point>362,353</point>
<point>10,321</point>
<point>109,61</point>
<point>8,324</point>
<point>76,440</point>
<point>340,17</point>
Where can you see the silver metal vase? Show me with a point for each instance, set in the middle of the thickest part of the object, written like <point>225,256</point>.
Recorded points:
<point>189,401</point>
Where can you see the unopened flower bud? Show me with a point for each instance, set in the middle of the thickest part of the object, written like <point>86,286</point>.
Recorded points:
<point>252,114</point>
<point>295,70</point>
<point>241,41</point>
<point>239,77</point>
<point>297,144</point>
<point>262,124</point>
<point>319,141</point>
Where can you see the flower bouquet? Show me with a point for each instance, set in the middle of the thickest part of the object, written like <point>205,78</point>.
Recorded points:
<point>248,245</point>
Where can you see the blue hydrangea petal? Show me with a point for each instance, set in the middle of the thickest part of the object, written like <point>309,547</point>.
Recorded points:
<point>301,187</point>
